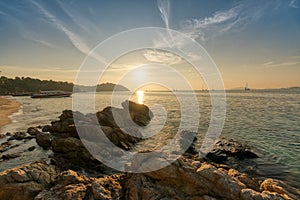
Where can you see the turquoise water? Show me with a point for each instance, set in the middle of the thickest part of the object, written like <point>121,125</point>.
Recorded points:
<point>268,122</point>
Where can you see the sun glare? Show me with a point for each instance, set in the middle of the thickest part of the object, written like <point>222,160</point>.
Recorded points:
<point>140,96</point>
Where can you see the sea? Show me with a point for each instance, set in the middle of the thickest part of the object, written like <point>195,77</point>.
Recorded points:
<point>268,122</point>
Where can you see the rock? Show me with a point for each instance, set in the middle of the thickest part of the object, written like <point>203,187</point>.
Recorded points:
<point>107,188</point>
<point>33,131</point>
<point>106,116</point>
<point>26,181</point>
<point>31,148</point>
<point>47,128</point>
<point>68,185</point>
<point>65,145</point>
<point>139,113</point>
<point>244,178</point>
<point>225,149</point>
<point>71,185</point>
<point>71,177</point>
<point>280,187</point>
<point>69,192</point>
<point>17,136</point>
<point>66,123</point>
<point>180,180</point>
<point>44,140</point>
<point>10,156</point>
<point>5,146</point>
<point>71,154</point>
<point>8,134</point>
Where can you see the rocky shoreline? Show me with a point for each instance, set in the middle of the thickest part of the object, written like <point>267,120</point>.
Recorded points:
<point>71,172</point>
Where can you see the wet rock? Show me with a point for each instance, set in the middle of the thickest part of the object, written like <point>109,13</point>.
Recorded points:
<point>47,128</point>
<point>17,136</point>
<point>26,181</point>
<point>10,156</point>
<point>64,125</point>
<point>229,149</point>
<point>31,148</point>
<point>33,131</point>
<point>139,113</point>
<point>44,140</point>
<point>8,134</point>
<point>5,146</point>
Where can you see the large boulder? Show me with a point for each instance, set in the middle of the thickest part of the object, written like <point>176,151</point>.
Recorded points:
<point>139,113</point>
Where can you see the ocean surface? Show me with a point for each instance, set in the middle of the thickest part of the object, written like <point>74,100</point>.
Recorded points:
<point>268,122</point>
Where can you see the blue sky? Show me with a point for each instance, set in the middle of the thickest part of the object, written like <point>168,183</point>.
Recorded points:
<point>255,41</point>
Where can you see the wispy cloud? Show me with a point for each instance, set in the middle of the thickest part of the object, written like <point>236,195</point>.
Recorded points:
<point>44,43</point>
<point>164,9</point>
<point>75,39</point>
<point>293,4</point>
<point>234,19</point>
<point>70,15</point>
<point>161,57</point>
<point>272,64</point>
<point>78,42</point>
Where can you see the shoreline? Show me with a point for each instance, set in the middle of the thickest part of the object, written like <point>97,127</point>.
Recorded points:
<point>7,108</point>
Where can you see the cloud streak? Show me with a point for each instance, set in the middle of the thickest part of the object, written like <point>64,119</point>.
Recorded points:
<point>75,39</point>
<point>79,43</point>
<point>234,19</point>
<point>161,57</point>
<point>164,9</point>
<point>273,64</point>
<point>293,4</point>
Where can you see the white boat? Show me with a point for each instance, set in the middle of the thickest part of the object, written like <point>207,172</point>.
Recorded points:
<point>51,94</point>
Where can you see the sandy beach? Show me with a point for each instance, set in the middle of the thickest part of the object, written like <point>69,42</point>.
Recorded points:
<point>7,107</point>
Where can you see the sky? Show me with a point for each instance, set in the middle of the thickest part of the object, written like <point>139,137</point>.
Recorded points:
<point>250,41</point>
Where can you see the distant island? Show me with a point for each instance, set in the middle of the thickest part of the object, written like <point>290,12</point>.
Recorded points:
<point>27,84</point>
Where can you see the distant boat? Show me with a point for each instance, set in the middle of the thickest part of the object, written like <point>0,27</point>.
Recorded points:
<point>21,94</point>
<point>51,94</point>
<point>246,87</point>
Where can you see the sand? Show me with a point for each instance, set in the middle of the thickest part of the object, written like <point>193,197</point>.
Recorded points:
<point>7,107</point>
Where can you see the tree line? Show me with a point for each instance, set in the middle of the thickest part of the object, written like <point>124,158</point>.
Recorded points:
<point>27,84</point>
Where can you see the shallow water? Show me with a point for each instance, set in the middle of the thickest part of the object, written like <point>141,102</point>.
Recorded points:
<point>268,122</point>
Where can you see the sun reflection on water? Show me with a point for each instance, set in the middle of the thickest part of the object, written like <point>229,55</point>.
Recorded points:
<point>140,96</point>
